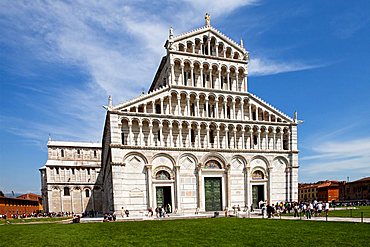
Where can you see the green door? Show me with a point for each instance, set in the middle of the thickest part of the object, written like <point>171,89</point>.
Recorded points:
<point>213,195</point>
<point>255,196</point>
<point>258,195</point>
<point>160,196</point>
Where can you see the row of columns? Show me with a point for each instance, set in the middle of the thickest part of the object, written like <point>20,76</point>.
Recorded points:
<point>216,113</point>
<point>247,139</point>
<point>203,50</point>
<point>217,83</point>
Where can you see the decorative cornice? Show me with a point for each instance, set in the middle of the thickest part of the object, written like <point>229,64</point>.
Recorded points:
<point>189,149</point>
<point>140,97</point>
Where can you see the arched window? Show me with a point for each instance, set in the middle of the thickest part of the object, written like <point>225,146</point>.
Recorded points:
<point>162,175</point>
<point>258,175</point>
<point>212,164</point>
<point>87,193</point>
<point>66,191</point>
<point>62,153</point>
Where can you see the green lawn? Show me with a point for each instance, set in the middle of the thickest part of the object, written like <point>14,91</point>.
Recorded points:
<point>195,232</point>
<point>355,212</point>
<point>34,220</point>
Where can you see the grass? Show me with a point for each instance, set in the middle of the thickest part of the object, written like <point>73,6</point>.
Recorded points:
<point>34,220</point>
<point>356,213</point>
<point>196,232</point>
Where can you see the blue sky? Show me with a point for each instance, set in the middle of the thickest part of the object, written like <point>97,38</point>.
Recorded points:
<point>59,61</point>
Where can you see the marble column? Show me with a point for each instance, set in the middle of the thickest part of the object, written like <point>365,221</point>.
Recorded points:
<point>150,137</point>
<point>189,137</point>
<point>179,105</point>
<point>216,113</point>
<point>180,136</point>
<point>129,132</point>
<point>172,74</point>
<point>218,137</point>
<point>161,135</point>
<point>150,185</point>
<point>191,75</point>
<point>177,182</point>
<point>199,128</point>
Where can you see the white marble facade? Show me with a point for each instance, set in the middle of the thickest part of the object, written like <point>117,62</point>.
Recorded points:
<point>198,138</point>
<point>70,180</point>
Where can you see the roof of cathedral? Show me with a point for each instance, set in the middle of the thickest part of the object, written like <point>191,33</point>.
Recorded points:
<point>204,29</point>
<point>75,144</point>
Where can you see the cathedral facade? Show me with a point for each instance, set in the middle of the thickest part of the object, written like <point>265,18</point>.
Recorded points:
<point>198,140</point>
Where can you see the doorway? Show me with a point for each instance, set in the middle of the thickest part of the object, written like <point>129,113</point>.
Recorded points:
<point>213,194</point>
<point>164,198</point>
<point>258,194</point>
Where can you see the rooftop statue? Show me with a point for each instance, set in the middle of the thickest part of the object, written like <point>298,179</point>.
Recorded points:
<point>208,20</point>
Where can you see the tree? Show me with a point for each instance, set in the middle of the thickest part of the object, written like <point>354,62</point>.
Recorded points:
<point>1,193</point>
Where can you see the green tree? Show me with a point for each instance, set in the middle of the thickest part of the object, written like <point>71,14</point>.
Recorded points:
<point>1,193</point>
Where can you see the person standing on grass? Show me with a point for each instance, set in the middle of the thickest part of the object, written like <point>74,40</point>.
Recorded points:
<point>122,212</point>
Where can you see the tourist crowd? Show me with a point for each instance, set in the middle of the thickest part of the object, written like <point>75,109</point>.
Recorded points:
<point>307,209</point>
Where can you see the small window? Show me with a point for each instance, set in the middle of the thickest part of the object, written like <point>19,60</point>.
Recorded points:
<point>73,171</point>
<point>87,193</point>
<point>57,171</point>
<point>78,151</point>
<point>255,140</point>
<point>94,153</point>
<point>66,191</point>
<point>159,135</point>
<point>88,171</point>
<point>62,153</point>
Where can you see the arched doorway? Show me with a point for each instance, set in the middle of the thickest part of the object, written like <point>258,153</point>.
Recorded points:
<point>163,182</point>
<point>213,186</point>
<point>258,188</point>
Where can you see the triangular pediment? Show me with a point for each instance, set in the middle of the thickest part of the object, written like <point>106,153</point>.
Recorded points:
<point>200,34</point>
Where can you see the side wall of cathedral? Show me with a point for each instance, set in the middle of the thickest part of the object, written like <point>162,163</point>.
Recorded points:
<point>71,177</point>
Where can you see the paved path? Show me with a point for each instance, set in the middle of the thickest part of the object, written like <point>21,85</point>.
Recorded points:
<point>336,219</point>
<point>241,215</point>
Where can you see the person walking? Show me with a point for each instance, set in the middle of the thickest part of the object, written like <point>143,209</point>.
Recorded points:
<point>308,212</point>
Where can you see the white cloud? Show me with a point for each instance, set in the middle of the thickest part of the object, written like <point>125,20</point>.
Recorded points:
<point>117,43</point>
<point>219,7</point>
<point>259,66</point>
<point>340,157</point>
